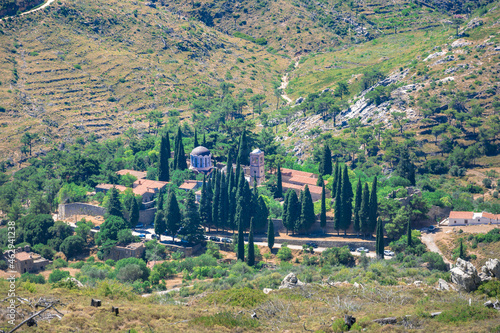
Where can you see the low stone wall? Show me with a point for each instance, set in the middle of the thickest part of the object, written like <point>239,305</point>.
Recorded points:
<point>78,208</point>
<point>188,251</point>
<point>369,244</point>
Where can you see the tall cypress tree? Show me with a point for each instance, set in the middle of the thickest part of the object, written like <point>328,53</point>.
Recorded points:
<point>325,167</point>
<point>241,237</point>
<point>180,156</point>
<point>195,138</point>
<point>364,212</point>
<point>357,206</point>
<point>409,241</point>
<point>134,213</point>
<point>322,217</point>
<point>337,221</point>
<point>243,150</point>
<point>284,213</point>
<point>270,234</point>
<point>251,249</point>
<point>380,240</point>
<point>346,201</point>
<point>205,206</point>
<point>192,231</point>
<point>335,178</point>
<point>261,215</point>
<point>461,252</point>
<point>215,201</point>
<point>160,223</point>
<point>231,218</point>
<point>173,215</point>
<point>223,202</point>
<point>204,142</point>
<point>163,168</point>
<point>279,184</point>
<point>243,194</point>
<point>293,214</point>
<point>114,206</point>
<point>373,205</point>
<point>307,217</point>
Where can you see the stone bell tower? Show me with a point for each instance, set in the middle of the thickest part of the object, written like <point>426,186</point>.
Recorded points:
<point>257,166</point>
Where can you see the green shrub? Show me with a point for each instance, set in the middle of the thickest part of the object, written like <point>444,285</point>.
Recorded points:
<point>464,312</point>
<point>227,319</point>
<point>490,288</point>
<point>284,253</point>
<point>242,297</point>
<point>337,256</point>
<point>58,275</point>
<point>59,263</point>
<point>35,278</point>
<point>435,261</point>
<point>77,265</point>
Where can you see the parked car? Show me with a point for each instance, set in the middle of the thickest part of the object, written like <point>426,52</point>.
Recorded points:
<point>142,236</point>
<point>362,249</point>
<point>312,244</point>
<point>432,228</point>
<point>139,226</point>
<point>215,238</point>
<point>352,248</point>
<point>206,237</point>
<point>388,253</point>
<point>424,230</point>
<point>226,240</point>
<point>97,227</point>
<point>155,236</point>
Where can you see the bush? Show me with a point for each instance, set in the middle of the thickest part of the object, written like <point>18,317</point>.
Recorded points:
<point>490,288</point>
<point>337,256</point>
<point>35,278</point>
<point>110,262</point>
<point>72,246</point>
<point>284,253</point>
<point>59,263</point>
<point>227,319</point>
<point>77,265</point>
<point>133,261</point>
<point>243,297</point>
<point>435,261</point>
<point>129,273</point>
<point>58,275</point>
<point>464,312</point>
<point>213,250</point>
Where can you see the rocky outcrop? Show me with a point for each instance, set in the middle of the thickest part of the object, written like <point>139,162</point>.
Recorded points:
<point>465,275</point>
<point>291,281</point>
<point>491,268</point>
<point>443,285</point>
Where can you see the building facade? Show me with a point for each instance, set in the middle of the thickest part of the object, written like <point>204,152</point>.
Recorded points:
<point>200,160</point>
<point>470,218</point>
<point>257,168</point>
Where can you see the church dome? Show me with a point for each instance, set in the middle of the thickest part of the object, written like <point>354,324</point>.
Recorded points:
<point>256,151</point>
<point>200,151</point>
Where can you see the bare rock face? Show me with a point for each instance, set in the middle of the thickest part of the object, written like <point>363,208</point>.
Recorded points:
<point>290,281</point>
<point>465,275</point>
<point>443,285</point>
<point>492,268</point>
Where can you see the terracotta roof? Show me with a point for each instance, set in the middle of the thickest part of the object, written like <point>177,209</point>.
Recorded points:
<point>136,174</point>
<point>189,185</point>
<point>120,188</point>
<point>303,180</point>
<point>22,256</point>
<point>491,216</point>
<point>142,186</point>
<point>297,173</point>
<point>312,188</point>
<point>461,215</point>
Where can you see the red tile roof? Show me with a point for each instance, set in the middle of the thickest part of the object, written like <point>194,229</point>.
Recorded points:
<point>312,188</point>
<point>491,216</point>
<point>297,173</point>
<point>461,215</point>
<point>189,185</point>
<point>136,174</point>
<point>22,256</point>
<point>108,187</point>
<point>142,186</point>
<point>303,180</point>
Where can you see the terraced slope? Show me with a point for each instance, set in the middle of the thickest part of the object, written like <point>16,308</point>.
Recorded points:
<point>100,66</point>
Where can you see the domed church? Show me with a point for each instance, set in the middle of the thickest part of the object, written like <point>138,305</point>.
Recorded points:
<point>201,160</point>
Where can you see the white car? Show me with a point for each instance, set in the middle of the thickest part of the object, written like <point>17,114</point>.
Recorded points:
<point>388,253</point>
<point>362,249</point>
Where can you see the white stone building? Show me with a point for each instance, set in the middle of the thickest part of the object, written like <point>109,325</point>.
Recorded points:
<point>471,218</point>
<point>201,160</point>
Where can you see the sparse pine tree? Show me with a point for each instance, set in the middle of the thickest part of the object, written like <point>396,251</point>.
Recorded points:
<point>322,217</point>
<point>251,249</point>
<point>270,234</point>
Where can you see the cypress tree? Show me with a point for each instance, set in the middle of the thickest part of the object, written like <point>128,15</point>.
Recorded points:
<point>163,168</point>
<point>357,206</point>
<point>380,240</point>
<point>215,201</point>
<point>160,224</point>
<point>325,167</point>
<point>346,201</point>
<point>337,222</point>
<point>192,231</point>
<point>293,214</point>
<point>461,253</point>
<point>335,178</point>
<point>176,149</point>
<point>241,237</point>
<point>279,184</point>
<point>307,217</point>
<point>204,143</point>
<point>320,181</point>
<point>180,156</point>
<point>195,138</point>
<point>364,212</point>
<point>173,215</point>
<point>114,204</point>
<point>261,215</point>
<point>409,241</point>
<point>243,150</point>
<point>223,202</point>
<point>284,214</point>
<point>270,234</point>
<point>205,206</point>
<point>243,194</point>
<point>134,213</point>
<point>232,210</point>
<point>322,217</point>
<point>251,249</point>
<point>254,199</point>
<point>373,205</point>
